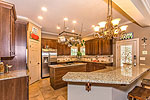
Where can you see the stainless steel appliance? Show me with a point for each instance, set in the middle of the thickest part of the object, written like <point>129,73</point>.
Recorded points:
<point>49,57</point>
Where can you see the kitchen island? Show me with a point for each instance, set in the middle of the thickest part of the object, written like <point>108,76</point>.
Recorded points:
<point>59,70</point>
<point>112,84</point>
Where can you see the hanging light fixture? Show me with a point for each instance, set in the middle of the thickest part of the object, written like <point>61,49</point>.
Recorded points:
<point>109,29</point>
<point>70,38</point>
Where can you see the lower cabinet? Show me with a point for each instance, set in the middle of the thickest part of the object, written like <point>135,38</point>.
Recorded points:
<point>56,74</point>
<point>92,66</point>
<point>14,89</point>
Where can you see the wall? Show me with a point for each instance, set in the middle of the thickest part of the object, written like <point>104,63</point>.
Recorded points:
<point>49,36</point>
<point>140,32</point>
<point>19,61</point>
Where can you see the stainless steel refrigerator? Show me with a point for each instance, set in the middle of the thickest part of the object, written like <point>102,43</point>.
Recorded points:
<point>49,57</point>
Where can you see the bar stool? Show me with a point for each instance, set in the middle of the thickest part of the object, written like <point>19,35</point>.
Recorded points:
<point>145,82</point>
<point>139,93</point>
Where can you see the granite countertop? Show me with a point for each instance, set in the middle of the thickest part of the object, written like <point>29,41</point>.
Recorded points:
<point>121,75</point>
<point>66,65</point>
<point>99,62</point>
<point>13,74</point>
<point>86,61</point>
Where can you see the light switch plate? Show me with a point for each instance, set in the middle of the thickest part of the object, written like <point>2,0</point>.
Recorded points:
<point>144,52</point>
<point>142,58</point>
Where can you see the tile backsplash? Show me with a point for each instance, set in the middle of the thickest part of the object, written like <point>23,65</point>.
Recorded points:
<point>99,58</point>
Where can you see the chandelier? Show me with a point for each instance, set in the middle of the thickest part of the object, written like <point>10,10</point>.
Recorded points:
<point>70,38</point>
<point>109,29</point>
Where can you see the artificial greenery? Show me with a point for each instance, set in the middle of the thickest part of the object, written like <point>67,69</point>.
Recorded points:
<point>79,54</point>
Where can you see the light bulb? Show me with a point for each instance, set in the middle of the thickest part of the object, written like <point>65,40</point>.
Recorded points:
<point>74,22</point>
<point>116,21</point>
<point>123,28</point>
<point>116,31</point>
<point>102,24</point>
<point>65,19</point>
<point>96,28</point>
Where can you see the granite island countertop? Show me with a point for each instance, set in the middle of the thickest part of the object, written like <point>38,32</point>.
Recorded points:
<point>66,65</point>
<point>85,62</point>
<point>13,74</point>
<point>121,75</point>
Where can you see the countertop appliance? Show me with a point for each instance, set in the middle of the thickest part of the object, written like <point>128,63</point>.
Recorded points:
<point>49,57</point>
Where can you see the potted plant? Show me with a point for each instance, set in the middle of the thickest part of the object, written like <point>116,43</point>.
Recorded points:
<point>79,54</point>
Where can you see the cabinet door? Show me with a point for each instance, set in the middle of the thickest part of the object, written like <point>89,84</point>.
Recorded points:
<point>98,66</point>
<point>90,67</point>
<point>87,47</point>
<point>95,44</point>
<point>4,32</point>
<point>12,35</point>
<point>107,47</point>
<point>59,49</point>
<point>100,47</point>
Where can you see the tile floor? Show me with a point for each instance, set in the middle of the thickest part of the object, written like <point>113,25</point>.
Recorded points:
<point>42,90</point>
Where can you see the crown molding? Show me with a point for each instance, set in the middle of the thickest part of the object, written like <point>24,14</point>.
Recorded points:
<point>50,33</point>
<point>26,19</point>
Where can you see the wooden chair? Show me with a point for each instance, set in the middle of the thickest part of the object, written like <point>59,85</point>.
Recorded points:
<point>139,93</point>
<point>145,82</point>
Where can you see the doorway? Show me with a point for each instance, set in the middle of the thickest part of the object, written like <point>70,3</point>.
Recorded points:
<point>127,51</point>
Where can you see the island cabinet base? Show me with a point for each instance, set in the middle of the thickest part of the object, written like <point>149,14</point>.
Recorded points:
<point>100,91</point>
<point>56,74</point>
<point>14,89</point>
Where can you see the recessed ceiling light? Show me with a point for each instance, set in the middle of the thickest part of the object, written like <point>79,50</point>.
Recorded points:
<point>58,27</point>
<point>93,26</point>
<point>74,22</point>
<point>65,19</point>
<point>40,17</point>
<point>44,9</point>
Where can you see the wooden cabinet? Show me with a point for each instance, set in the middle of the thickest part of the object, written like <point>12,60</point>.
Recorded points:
<point>19,61</point>
<point>15,89</point>
<point>63,49</point>
<point>56,74</point>
<point>89,67</point>
<point>7,29</point>
<point>50,43</point>
<point>107,47</point>
<point>98,47</point>
<point>91,47</point>
<point>92,66</point>
<point>95,45</point>
<point>87,44</point>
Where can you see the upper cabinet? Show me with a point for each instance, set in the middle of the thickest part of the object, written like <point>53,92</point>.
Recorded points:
<point>98,47</point>
<point>49,43</point>
<point>63,49</point>
<point>7,29</point>
<point>106,47</point>
<point>91,47</point>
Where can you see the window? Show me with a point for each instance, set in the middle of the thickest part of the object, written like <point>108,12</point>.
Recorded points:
<point>82,50</point>
<point>74,51</point>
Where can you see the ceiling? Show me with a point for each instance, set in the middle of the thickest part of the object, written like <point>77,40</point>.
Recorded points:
<point>139,10</point>
<point>88,12</point>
